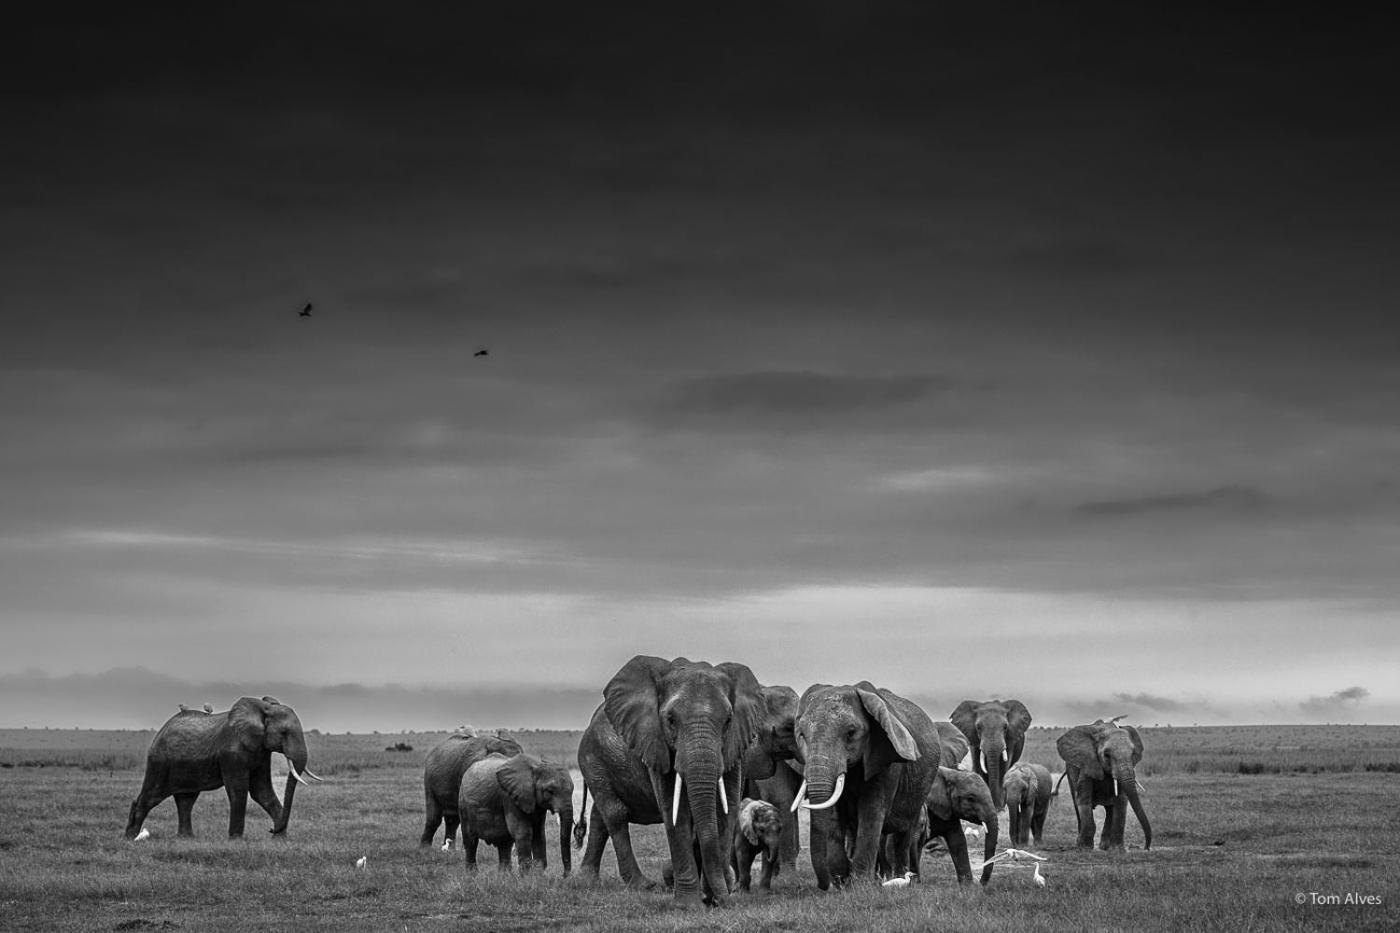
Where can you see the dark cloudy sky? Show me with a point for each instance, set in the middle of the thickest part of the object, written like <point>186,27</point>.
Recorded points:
<point>1046,350</point>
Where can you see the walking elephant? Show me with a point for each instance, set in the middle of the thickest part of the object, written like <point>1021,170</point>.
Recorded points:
<point>996,731</point>
<point>442,777</point>
<point>759,833</point>
<point>1027,795</point>
<point>197,751</point>
<point>667,746</point>
<point>503,802</point>
<point>1100,762</point>
<point>953,797</point>
<point>869,758</point>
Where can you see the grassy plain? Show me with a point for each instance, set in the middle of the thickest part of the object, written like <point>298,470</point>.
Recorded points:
<point>1247,821</point>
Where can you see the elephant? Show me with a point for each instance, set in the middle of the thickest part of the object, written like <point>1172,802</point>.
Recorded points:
<point>996,731</point>
<point>504,800</point>
<point>760,833</point>
<point>442,777</point>
<point>953,797</point>
<point>1100,761</point>
<point>1028,794</point>
<point>770,773</point>
<point>197,751</point>
<point>668,733</point>
<point>869,757</point>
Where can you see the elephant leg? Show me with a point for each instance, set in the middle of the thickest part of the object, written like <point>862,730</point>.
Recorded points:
<point>262,792</point>
<point>1114,821</point>
<point>627,866</point>
<point>839,842</point>
<point>469,840</point>
<point>743,859</point>
<point>899,853</point>
<point>1084,809</point>
<point>451,822</point>
<point>597,839</point>
<point>1038,823</point>
<point>503,855</point>
<point>957,851</point>
<point>431,822</point>
<point>184,805</point>
<point>237,807</point>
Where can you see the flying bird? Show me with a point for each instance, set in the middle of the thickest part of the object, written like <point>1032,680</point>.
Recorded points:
<point>899,882</point>
<point>306,311</point>
<point>482,352</point>
<point>360,862</point>
<point>142,836</point>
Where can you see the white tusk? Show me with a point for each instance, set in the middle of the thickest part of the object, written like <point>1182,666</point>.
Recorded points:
<point>676,800</point>
<point>983,756</point>
<point>723,797</point>
<point>292,770</point>
<point>309,773</point>
<point>801,797</point>
<point>835,795</point>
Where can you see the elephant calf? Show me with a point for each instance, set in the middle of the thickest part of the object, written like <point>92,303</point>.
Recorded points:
<point>504,801</point>
<point>760,832</point>
<point>1027,801</point>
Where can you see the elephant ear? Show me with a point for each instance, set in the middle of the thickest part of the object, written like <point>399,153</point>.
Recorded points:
<point>248,722</point>
<point>632,703</point>
<point>1018,720</point>
<point>889,743</point>
<point>517,779</point>
<point>1137,744</point>
<point>965,718</point>
<point>940,797</point>
<point>1080,747</point>
<point>746,698</point>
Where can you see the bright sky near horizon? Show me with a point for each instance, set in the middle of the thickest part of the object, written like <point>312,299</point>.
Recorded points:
<point>1043,353</point>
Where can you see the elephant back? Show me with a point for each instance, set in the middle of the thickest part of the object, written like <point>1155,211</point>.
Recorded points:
<point>449,760</point>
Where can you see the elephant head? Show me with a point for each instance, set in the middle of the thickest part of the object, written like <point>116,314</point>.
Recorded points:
<point>535,785</point>
<point>1108,751</point>
<point>839,727</point>
<point>259,727</point>
<point>996,730</point>
<point>965,796</point>
<point>690,723</point>
<point>773,733</point>
<point>761,825</point>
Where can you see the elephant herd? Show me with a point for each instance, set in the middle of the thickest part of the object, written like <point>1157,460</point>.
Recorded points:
<point>723,762</point>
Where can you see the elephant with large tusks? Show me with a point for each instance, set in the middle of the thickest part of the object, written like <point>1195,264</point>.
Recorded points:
<point>442,777</point>
<point>996,730</point>
<point>667,746</point>
<point>197,751</point>
<point>1100,762</point>
<point>869,757</point>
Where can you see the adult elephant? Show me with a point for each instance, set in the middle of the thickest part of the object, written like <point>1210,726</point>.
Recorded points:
<point>197,751</point>
<point>1028,794</point>
<point>869,758</point>
<point>442,777</point>
<point>1100,764</point>
<point>770,773</point>
<point>667,746</point>
<point>504,800</point>
<point>996,732</point>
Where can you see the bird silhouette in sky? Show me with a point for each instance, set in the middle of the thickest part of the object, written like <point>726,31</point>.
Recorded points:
<point>306,311</point>
<point>481,352</point>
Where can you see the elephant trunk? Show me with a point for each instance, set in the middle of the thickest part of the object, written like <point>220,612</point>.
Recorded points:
<point>989,846</point>
<point>566,828</point>
<point>295,750</point>
<point>993,754</point>
<point>1127,786</point>
<point>824,781</point>
<point>702,789</point>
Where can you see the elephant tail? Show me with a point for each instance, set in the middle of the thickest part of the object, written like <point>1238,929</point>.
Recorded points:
<point>581,827</point>
<point>1056,791</point>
